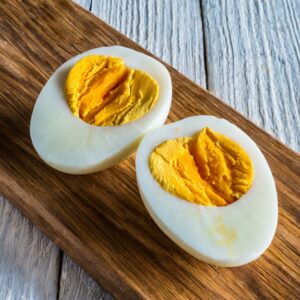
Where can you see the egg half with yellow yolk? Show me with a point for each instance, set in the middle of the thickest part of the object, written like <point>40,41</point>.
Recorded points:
<point>96,107</point>
<point>209,188</point>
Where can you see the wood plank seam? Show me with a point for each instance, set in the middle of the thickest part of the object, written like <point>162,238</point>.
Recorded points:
<point>61,254</point>
<point>204,45</point>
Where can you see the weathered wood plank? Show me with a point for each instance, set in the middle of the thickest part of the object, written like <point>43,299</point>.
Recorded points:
<point>253,61</point>
<point>172,30</point>
<point>29,261</point>
<point>76,284</point>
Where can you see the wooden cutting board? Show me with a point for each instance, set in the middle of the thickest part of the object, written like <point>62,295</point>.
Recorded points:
<point>99,219</point>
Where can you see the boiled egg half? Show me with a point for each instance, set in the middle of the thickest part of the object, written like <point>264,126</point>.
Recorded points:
<point>209,188</point>
<point>96,107</point>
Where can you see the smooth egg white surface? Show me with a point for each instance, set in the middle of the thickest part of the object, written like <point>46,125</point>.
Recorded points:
<point>69,144</point>
<point>229,236</point>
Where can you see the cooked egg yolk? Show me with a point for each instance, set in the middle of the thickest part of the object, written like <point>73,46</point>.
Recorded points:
<point>208,169</point>
<point>101,90</point>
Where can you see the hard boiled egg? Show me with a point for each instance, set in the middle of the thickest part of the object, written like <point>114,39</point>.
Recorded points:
<point>232,234</point>
<point>69,144</point>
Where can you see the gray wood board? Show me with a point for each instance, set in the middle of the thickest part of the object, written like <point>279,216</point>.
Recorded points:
<point>76,284</point>
<point>29,261</point>
<point>253,61</point>
<point>252,58</point>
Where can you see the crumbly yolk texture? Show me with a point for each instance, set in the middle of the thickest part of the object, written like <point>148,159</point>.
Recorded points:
<point>102,91</point>
<point>208,169</point>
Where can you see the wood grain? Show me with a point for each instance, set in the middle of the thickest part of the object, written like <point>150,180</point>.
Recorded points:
<point>102,226</point>
<point>158,27</point>
<point>75,284</point>
<point>26,272</point>
<point>253,61</point>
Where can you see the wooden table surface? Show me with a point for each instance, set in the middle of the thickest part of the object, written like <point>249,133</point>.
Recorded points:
<point>245,52</point>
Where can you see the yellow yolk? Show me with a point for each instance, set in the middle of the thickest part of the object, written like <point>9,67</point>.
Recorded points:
<point>208,169</point>
<point>101,90</point>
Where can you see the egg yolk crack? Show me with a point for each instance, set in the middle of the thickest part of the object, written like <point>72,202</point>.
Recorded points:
<point>101,90</point>
<point>208,169</point>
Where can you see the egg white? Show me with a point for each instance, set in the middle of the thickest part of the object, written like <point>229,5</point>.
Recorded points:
<point>69,144</point>
<point>198,229</point>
